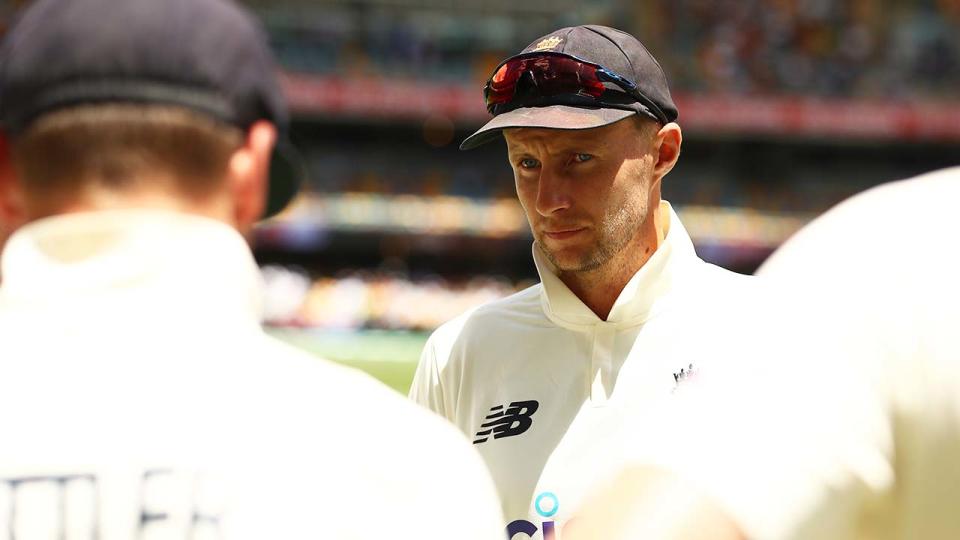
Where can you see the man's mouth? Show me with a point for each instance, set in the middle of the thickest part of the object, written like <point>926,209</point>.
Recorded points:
<point>563,233</point>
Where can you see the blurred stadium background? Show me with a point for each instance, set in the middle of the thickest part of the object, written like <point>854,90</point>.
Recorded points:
<point>788,106</point>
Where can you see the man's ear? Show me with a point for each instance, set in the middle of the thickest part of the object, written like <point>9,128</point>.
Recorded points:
<point>667,144</point>
<point>248,174</point>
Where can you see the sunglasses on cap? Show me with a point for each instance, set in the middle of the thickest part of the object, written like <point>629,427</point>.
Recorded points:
<point>544,78</point>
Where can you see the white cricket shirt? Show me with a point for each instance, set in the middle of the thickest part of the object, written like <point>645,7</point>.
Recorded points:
<point>864,441</point>
<point>142,400</point>
<point>540,383</point>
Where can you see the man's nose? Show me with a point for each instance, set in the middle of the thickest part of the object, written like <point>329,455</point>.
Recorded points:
<point>552,193</point>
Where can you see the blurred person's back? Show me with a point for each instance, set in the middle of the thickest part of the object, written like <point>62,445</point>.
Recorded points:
<point>141,397</point>
<point>852,430</point>
<point>136,379</point>
<point>885,262</point>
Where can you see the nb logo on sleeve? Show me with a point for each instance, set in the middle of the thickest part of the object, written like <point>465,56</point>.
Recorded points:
<point>507,423</point>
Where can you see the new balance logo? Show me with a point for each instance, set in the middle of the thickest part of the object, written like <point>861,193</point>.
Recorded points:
<point>507,423</point>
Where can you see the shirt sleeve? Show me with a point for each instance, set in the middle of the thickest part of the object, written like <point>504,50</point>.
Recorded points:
<point>427,387</point>
<point>797,446</point>
<point>458,493</point>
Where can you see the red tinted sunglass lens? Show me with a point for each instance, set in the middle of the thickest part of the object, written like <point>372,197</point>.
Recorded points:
<point>550,76</point>
<point>568,76</point>
<point>502,85</point>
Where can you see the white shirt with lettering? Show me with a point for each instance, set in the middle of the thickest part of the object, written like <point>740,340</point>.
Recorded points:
<point>142,400</point>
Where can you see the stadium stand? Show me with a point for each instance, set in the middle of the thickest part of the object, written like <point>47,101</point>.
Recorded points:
<point>788,106</point>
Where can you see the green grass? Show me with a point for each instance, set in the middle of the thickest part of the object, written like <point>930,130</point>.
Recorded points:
<point>390,356</point>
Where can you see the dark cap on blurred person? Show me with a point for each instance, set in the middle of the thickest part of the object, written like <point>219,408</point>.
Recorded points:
<point>531,101</point>
<point>209,56</point>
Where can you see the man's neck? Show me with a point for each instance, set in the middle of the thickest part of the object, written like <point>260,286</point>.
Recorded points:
<point>599,289</point>
<point>95,200</point>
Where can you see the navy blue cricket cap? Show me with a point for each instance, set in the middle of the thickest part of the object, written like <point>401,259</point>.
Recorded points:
<point>210,56</point>
<point>608,47</point>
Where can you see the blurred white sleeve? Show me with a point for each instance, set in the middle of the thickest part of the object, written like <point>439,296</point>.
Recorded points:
<point>796,446</point>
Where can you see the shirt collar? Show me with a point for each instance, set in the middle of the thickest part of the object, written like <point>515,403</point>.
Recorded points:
<point>642,296</point>
<point>199,262</point>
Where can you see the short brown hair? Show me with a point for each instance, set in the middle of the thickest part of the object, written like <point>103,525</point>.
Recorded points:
<point>648,127</point>
<point>114,146</point>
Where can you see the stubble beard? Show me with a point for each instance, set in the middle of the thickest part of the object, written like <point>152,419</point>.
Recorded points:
<point>616,232</point>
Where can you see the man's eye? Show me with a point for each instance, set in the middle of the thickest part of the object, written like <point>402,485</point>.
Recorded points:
<point>580,158</point>
<point>529,163</point>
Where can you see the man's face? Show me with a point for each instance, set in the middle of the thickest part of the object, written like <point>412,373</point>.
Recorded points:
<point>587,192</point>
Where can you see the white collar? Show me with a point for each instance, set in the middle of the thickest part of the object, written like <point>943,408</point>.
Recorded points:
<point>202,263</point>
<point>642,296</point>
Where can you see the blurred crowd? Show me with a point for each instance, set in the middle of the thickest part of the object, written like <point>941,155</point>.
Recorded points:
<point>708,176</point>
<point>861,48</point>
<point>837,48</point>
<point>407,167</point>
<point>371,299</point>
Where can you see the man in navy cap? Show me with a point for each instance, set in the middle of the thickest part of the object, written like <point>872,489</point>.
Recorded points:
<point>141,397</point>
<point>625,311</point>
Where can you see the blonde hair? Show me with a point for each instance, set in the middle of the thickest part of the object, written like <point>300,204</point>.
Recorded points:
<point>120,147</point>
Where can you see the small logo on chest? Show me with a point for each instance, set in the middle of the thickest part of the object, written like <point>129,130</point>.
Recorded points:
<point>516,419</point>
<point>682,375</point>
